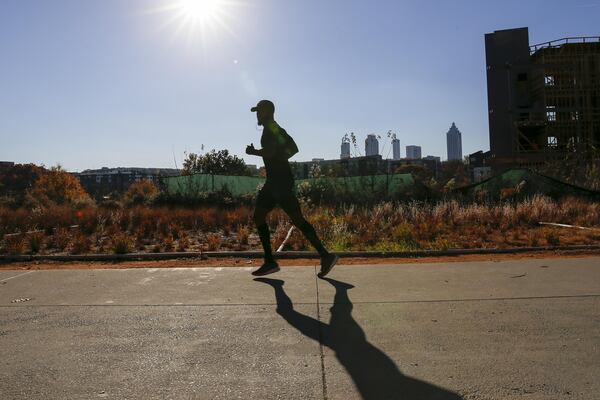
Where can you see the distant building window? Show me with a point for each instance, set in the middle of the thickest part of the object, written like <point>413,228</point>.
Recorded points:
<point>551,113</point>
<point>575,116</point>
<point>552,141</point>
<point>549,80</point>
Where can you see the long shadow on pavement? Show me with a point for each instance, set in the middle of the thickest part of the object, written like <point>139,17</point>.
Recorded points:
<point>375,375</point>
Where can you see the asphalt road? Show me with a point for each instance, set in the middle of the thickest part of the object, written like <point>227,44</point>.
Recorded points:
<point>527,329</point>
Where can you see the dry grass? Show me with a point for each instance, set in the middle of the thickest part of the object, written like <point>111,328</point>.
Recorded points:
<point>385,226</point>
<point>81,244</point>
<point>121,244</point>
<point>213,241</point>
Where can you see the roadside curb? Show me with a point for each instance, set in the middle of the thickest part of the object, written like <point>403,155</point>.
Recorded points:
<point>286,254</point>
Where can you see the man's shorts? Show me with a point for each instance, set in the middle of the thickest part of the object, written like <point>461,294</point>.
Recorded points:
<point>270,196</point>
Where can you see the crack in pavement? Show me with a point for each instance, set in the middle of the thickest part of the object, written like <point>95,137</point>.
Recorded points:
<point>318,303</point>
<point>323,377</point>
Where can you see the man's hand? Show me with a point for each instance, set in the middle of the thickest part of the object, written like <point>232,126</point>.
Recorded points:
<point>250,149</point>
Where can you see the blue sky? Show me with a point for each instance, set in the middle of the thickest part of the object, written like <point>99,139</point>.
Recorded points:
<point>108,83</point>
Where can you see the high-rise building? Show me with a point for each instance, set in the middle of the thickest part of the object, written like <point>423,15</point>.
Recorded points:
<point>413,152</point>
<point>433,158</point>
<point>454,143</point>
<point>345,150</point>
<point>396,149</point>
<point>543,100</point>
<point>371,145</point>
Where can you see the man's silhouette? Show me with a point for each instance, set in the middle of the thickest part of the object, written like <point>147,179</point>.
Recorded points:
<point>277,148</point>
<point>374,373</point>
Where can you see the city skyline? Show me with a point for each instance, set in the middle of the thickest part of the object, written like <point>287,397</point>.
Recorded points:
<point>109,83</point>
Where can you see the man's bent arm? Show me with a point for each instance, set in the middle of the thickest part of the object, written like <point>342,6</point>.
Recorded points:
<point>265,152</point>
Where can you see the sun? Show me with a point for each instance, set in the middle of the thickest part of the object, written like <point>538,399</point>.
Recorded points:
<point>200,11</point>
<point>198,19</point>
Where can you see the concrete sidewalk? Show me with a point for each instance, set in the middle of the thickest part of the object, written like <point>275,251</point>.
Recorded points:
<point>527,329</point>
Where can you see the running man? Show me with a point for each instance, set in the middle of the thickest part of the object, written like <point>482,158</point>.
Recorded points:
<point>277,148</point>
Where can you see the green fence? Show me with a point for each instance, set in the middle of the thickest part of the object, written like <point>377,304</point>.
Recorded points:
<point>194,185</point>
<point>388,184</point>
<point>528,183</point>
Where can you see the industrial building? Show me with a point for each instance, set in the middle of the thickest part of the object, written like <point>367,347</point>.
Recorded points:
<point>101,182</point>
<point>454,143</point>
<point>544,99</point>
<point>6,164</point>
<point>413,152</point>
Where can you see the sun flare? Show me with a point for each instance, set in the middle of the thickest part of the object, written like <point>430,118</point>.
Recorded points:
<point>198,11</point>
<point>198,18</point>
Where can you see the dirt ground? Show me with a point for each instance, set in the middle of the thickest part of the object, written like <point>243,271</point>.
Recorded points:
<point>244,262</point>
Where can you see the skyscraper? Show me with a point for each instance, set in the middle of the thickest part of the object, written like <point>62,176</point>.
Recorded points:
<point>454,142</point>
<point>396,149</point>
<point>371,145</point>
<point>345,150</point>
<point>413,152</point>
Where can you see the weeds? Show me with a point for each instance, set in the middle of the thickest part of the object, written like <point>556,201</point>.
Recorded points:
<point>213,241</point>
<point>169,243</point>
<point>121,244</point>
<point>36,240</point>
<point>81,244</point>
<point>14,245</point>
<point>61,239</point>
<point>242,235</point>
<point>184,243</point>
<point>387,225</point>
<point>552,239</point>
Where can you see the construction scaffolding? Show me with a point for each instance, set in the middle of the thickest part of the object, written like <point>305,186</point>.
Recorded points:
<point>563,92</point>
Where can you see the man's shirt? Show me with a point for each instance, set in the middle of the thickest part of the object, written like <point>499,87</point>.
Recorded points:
<point>277,145</point>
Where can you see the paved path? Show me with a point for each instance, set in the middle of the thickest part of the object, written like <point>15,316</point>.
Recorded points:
<point>527,329</point>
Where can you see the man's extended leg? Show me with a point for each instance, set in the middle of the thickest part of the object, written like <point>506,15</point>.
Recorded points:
<point>292,208</point>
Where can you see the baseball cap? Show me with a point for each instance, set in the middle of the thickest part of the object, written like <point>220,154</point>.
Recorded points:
<point>265,105</point>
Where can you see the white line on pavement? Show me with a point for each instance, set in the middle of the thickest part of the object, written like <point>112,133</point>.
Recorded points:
<point>16,276</point>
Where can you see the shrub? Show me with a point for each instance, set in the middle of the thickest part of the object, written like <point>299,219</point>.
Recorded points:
<point>57,186</point>
<point>443,244</point>
<point>242,235</point>
<point>402,233</point>
<point>140,193</point>
<point>14,244</point>
<point>61,238</point>
<point>35,242</point>
<point>213,241</point>
<point>169,243</point>
<point>552,239</point>
<point>183,243</point>
<point>121,244</point>
<point>81,244</point>
<point>533,240</point>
